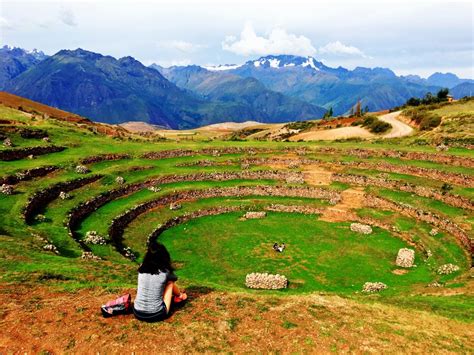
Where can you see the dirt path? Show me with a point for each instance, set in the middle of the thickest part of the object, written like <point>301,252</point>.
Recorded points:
<point>315,175</point>
<point>331,134</point>
<point>399,128</point>
<point>351,199</point>
<point>38,319</point>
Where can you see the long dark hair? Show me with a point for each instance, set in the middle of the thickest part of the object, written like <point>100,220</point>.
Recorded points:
<point>156,259</point>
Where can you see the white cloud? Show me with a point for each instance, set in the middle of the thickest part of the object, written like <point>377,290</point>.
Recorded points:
<point>278,42</point>
<point>338,48</point>
<point>67,17</point>
<point>182,46</point>
<point>5,24</point>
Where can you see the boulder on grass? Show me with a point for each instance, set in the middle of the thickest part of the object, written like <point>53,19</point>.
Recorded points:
<point>361,228</point>
<point>255,215</point>
<point>371,287</point>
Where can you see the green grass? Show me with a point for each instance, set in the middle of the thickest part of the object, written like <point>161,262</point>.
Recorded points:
<point>320,256</point>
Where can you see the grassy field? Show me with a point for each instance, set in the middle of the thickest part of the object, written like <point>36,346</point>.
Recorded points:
<point>326,264</point>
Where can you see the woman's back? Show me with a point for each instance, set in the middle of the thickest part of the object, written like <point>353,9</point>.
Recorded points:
<point>150,292</point>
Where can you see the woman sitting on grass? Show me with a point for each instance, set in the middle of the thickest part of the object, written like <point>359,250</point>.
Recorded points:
<point>156,285</point>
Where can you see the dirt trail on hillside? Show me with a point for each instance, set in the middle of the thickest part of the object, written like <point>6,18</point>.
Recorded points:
<point>315,175</point>
<point>352,198</point>
<point>38,319</point>
<point>331,134</point>
<point>399,128</point>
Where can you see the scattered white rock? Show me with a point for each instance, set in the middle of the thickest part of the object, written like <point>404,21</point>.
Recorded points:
<point>64,195</point>
<point>82,169</point>
<point>92,237</point>
<point>255,215</point>
<point>266,281</point>
<point>447,269</point>
<point>435,284</point>
<point>293,165</point>
<point>154,188</point>
<point>361,228</point>
<point>245,166</point>
<point>31,156</point>
<point>87,255</point>
<point>8,143</point>
<point>442,147</point>
<point>41,218</point>
<point>405,257</point>
<point>51,247</point>
<point>175,206</point>
<point>46,139</point>
<point>434,232</point>
<point>6,189</point>
<point>120,180</point>
<point>373,287</point>
<point>129,253</point>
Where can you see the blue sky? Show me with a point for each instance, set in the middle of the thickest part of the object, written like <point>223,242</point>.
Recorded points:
<point>410,37</point>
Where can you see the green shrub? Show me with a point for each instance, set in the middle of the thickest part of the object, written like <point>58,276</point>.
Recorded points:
<point>429,121</point>
<point>379,127</point>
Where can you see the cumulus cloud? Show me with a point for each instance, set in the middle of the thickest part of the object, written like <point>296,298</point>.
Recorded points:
<point>338,48</point>
<point>278,41</point>
<point>67,17</point>
<point>182,46</point>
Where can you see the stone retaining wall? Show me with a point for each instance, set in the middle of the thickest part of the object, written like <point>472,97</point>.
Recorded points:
<point>41,198</point>
<point>103,157</point>
<point>448,198</point>
<point>21,153</point>
<point>119,223</point>
<point>25,175</point>
<point>421,215</point>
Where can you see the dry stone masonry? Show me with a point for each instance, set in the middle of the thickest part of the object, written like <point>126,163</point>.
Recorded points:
<point>361,228</point>
<point>371,287</point>
<point>255,215</point>
<point>266,281</point>
<point>405,257</point>
<point>447,269</point>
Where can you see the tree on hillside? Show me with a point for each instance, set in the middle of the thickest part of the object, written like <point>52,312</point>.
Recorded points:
<point>329,113</point>
<point>443,94</point>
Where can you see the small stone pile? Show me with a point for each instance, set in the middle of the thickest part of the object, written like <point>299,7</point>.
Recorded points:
<point>255,215</point>
<point>447,269</point>
<point>334,200</point>
<point>51,247</point>
<point>434,232</point>
<point>245,166</point>
<point>81,169</point>
<point>175,206</point>
<point>128,253</point>
<point>370,287</point>
<point>92,237</point>
<point>31,156</point>
<point>64,195</point>
<point>120,180</point>
<point>442,147</point>
<point>8,143</point>
<point>46,140</point>
<point>88,255</point>
<point>266,281</point>
<point>41,218</point>
<point>361,228</point>
<point>6,189</point>
<point>405,257</point>
<point>293,165</point>
<point>154,188</point>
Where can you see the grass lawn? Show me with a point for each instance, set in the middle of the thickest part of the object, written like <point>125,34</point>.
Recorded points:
<point>219,251</point>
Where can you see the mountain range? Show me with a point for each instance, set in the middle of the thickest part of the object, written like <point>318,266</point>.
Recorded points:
<point>270,89</point>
